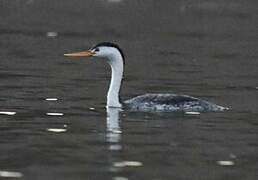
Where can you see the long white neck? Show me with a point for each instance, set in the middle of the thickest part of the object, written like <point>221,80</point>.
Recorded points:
<point>116,62</point>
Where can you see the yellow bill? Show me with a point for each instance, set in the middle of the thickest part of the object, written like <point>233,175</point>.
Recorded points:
<point>80,54</point>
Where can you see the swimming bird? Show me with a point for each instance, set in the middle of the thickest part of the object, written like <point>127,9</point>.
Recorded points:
<point>147,102</point>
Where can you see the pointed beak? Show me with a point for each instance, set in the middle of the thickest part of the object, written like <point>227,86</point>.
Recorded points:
<point>80,54</point>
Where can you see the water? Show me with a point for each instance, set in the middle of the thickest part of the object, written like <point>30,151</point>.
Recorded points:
<point>53,123</point>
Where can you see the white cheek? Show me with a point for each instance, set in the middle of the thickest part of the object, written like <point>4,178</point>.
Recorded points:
<point>104,54</point>
<point>97,54</point>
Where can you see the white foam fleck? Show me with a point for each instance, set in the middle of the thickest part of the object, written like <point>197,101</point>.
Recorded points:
<point>225,163</point>
<point>56,130</point>
<point>116,131</point>
<point>119,164</point>
<point>119,178</point>
<point>133,163</point>
<point>192,113</point>
<point>92,108</point>
<point>52,34</point>
<point>127,163</point>
<point>7,113</point>
<point>55,114</point>
<point>11,174</point>
<point>51,99</point>
<point>115,147</point>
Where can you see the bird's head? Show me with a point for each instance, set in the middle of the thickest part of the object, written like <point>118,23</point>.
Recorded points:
<point>105,50</point>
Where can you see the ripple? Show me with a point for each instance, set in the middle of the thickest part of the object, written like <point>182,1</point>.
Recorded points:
<point>127,163</point>
<point>119,178</point>
<point>116,131</point>
<point>52,34</point>
<point>225,163</point>
<point>11,174</point>
<point>56,130</point>
<point>55,114</point>
<point>9,113</point>
<point>51,99</point>
<point>115,147</point>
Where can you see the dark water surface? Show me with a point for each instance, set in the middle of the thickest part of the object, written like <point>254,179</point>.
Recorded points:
<point>207,49</point>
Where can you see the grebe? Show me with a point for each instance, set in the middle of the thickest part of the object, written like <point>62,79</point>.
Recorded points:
<point>147,102</point>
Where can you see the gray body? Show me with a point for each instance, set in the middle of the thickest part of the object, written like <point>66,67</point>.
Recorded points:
<point>170,102</point>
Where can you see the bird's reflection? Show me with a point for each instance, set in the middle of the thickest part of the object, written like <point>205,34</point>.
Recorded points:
<point>113,139</point>
<point>113,136</point>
